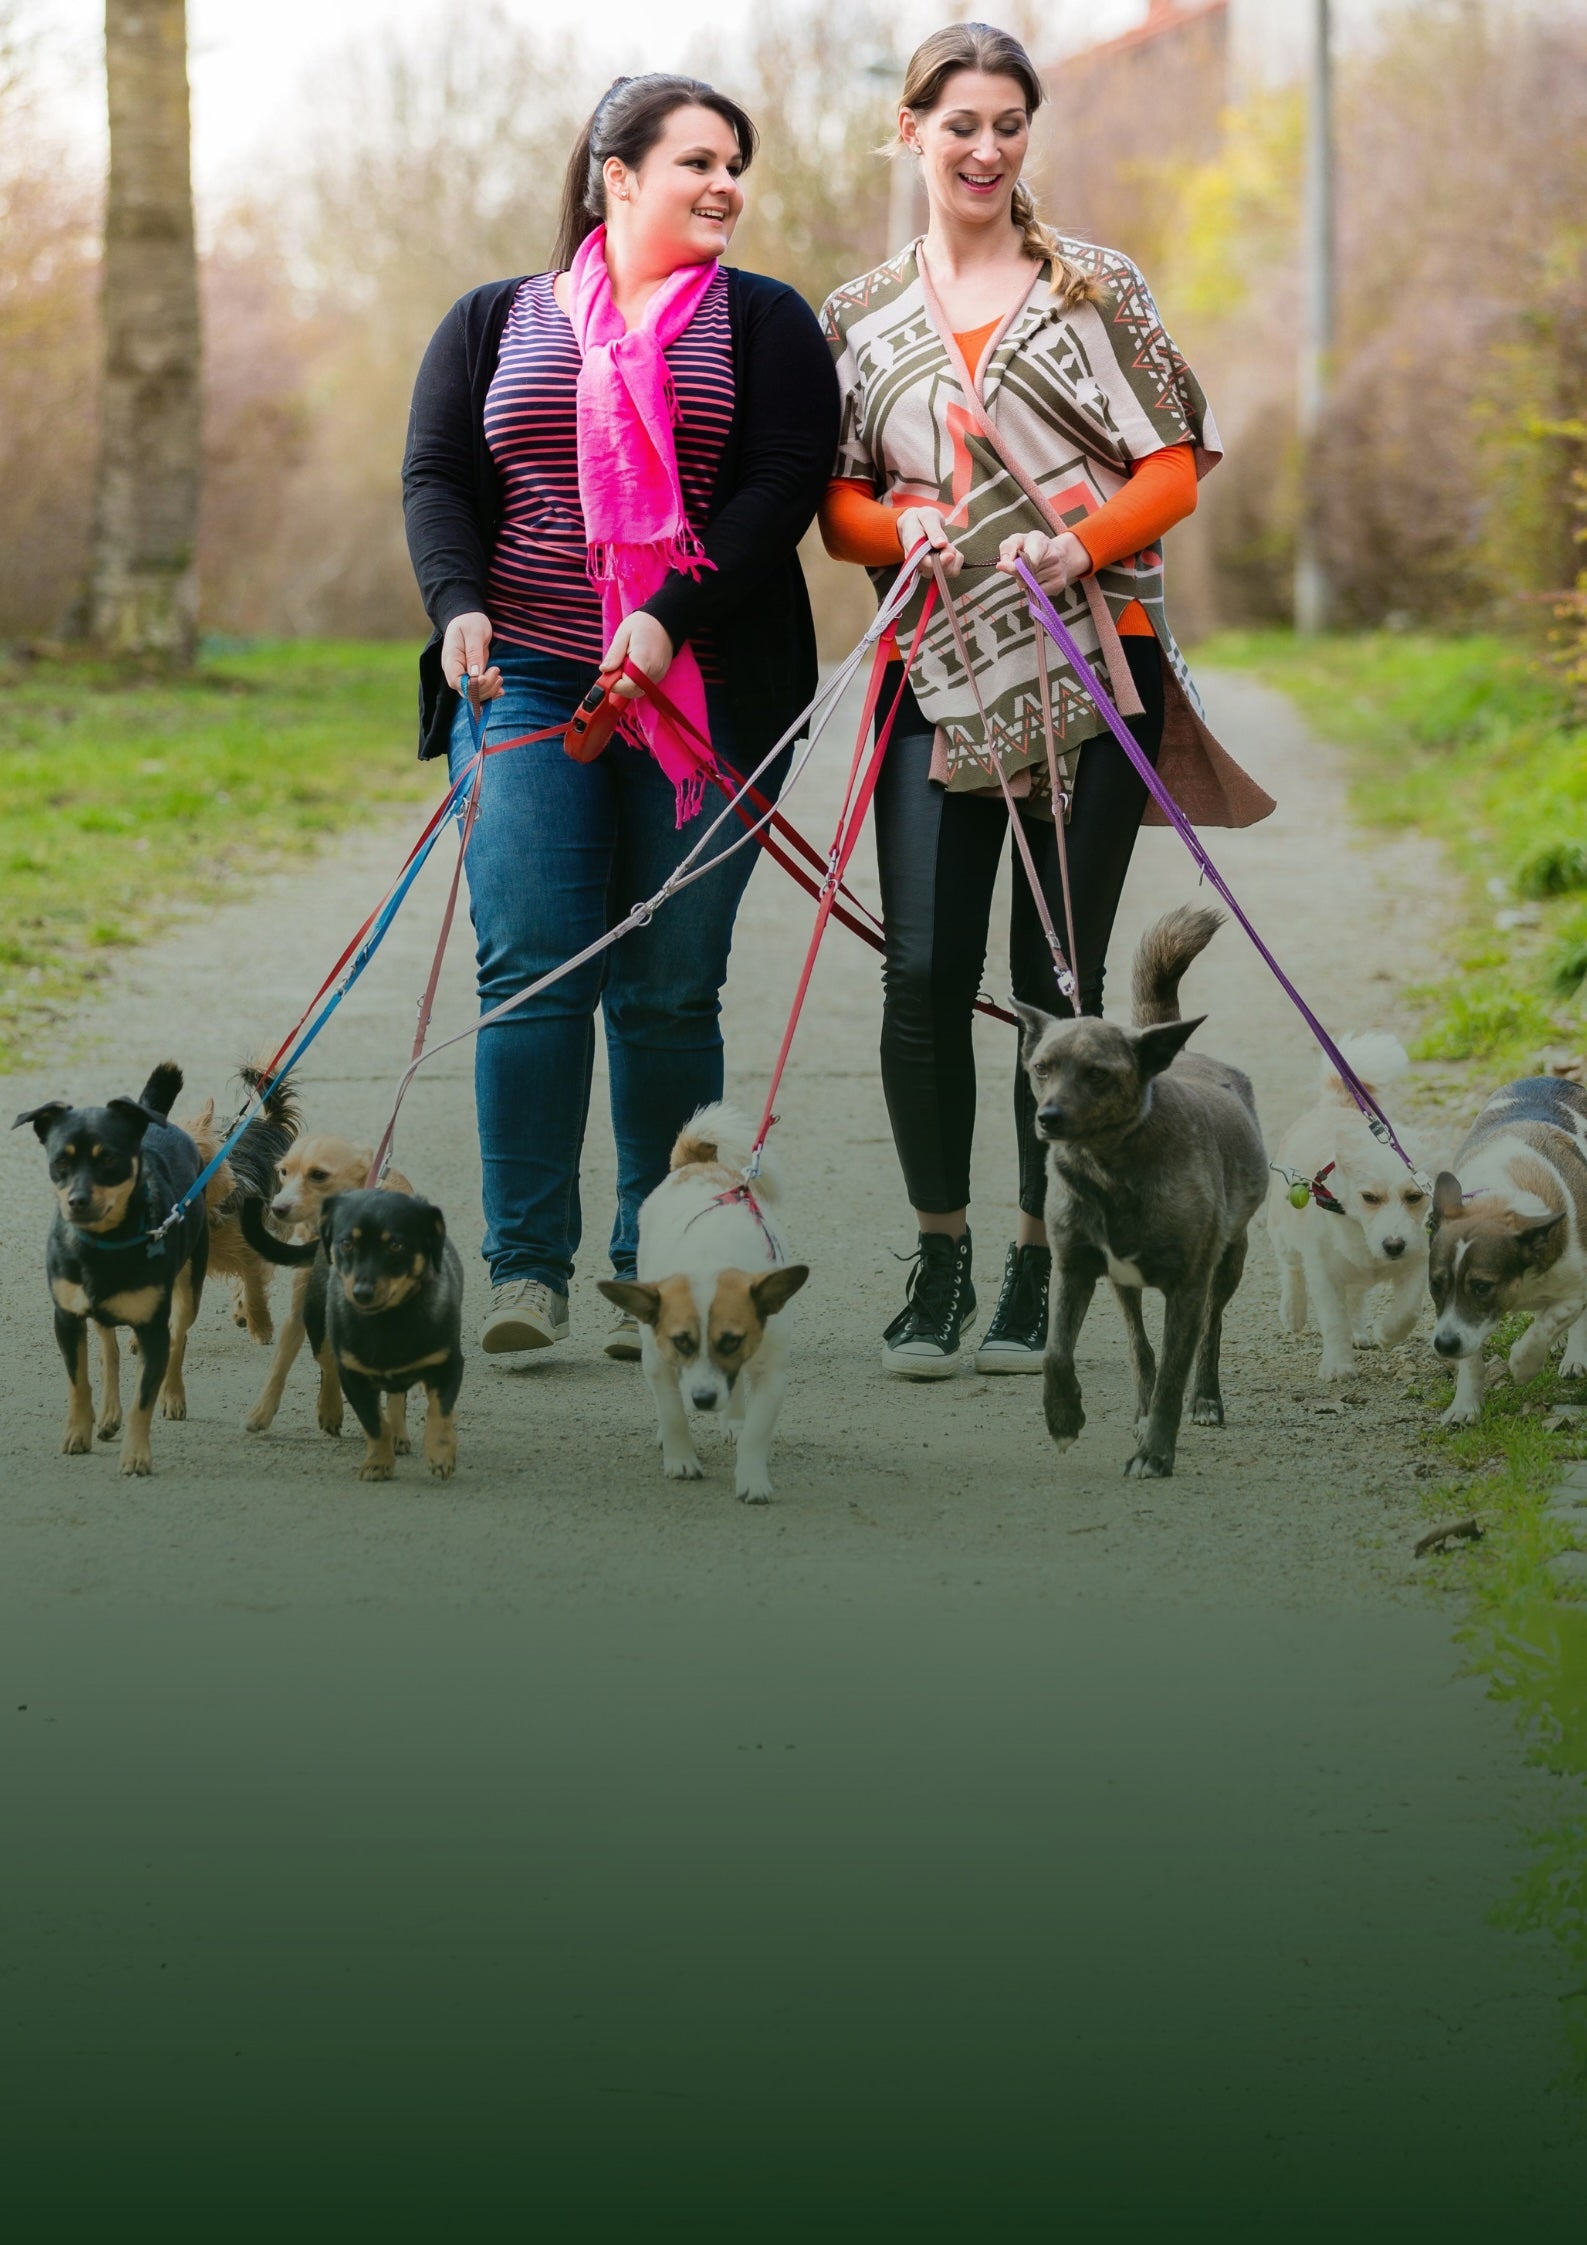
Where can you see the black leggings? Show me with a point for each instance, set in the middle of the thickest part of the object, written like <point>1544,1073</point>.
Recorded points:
<point>938,857</point>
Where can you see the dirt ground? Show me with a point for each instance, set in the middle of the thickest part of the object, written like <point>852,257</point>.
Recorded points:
<point>1305,1493</point>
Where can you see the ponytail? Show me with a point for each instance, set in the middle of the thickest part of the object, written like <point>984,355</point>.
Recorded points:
<point>1069,284</point>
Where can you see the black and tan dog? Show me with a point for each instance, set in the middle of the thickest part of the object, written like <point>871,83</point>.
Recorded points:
<point>384,1306</point>
<point>117,1171</point>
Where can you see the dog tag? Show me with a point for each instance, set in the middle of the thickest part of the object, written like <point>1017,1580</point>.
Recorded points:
<point>1299,1195</point>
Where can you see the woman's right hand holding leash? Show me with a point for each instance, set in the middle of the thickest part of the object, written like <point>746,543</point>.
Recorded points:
<point>916,523</point>
<point>466,647</point>
<point>1055,563</point>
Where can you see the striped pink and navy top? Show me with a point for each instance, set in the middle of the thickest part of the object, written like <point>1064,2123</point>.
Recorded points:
<point>540,593</point>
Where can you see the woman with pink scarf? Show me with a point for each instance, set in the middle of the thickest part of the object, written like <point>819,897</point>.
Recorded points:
<point>611,464</point>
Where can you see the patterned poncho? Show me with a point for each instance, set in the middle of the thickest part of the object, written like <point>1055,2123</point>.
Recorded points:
<point>1080,395</point>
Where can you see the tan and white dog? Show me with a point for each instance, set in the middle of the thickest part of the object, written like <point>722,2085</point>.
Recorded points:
<point>712,1276</point>
<point>1362,1226</point>
<point>1510,1233</point>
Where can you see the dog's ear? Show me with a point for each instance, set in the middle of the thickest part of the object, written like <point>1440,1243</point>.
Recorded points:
<point>435,1226</point>
<point>770,1291</point>
<point>135,1115</point>
<point>1533,1239</point>
<point>1161,1043</point>
<point>643,1302</point>
<point>42,1118</point>
<point>1033,1026</point>
<point>327,1212</point>
<point>1448,1199</point>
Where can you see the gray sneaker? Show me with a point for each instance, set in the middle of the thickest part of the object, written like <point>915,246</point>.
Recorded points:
<point>524,1314</point>
<point>622,1339</point>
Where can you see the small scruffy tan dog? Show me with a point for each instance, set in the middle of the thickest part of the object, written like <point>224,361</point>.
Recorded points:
<point>713,1274</point>
<point>1363,1224</point>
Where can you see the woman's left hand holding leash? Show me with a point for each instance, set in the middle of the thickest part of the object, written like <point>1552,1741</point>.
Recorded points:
<point>641,641</point>
<point>1055,563</point>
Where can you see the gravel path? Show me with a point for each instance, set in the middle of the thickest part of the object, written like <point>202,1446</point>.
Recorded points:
<point>1303,1495</point>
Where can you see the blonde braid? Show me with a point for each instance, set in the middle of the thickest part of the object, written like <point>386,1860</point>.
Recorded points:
<point>1069,284</point>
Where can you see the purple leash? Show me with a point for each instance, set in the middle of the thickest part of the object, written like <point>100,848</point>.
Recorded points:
<point>1063,639</point>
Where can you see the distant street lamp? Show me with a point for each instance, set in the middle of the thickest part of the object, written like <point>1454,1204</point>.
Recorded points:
<point>1312,602</point>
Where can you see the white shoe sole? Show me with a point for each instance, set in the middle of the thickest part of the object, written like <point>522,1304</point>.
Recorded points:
<point>624,1348</point>
<point>905,1366</point>
<point>516,1336</point>
<point>995,1360</point>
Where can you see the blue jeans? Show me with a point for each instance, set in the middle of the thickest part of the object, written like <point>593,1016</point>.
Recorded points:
<point>560,851</point>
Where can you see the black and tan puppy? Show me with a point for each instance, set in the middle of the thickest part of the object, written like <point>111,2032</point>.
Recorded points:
<point>385,1306</point>
<point>1155,1169</point>
<point>117,1172</point>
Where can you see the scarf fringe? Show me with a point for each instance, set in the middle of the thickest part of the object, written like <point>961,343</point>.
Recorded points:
<point>615,562</point>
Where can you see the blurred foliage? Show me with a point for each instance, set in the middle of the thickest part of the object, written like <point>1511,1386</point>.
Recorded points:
<point>1471,741</point>
<point>131,798</point>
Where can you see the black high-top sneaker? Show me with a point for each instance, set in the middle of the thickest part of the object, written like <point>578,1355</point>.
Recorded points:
<point>922,1343</point>
<point>1017,1336</point>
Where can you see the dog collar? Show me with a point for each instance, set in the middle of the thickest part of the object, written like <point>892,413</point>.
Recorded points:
<point>1302,1189</point>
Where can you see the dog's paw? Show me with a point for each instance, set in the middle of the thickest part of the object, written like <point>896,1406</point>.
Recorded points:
<point>136,1460</point>
<point>108,1429</point>
<point>757,1491</point>
<point>1365,1341</point>
<point>1207,1411</point>
<point>1460,1414</point>
<point>173,1406</point>
<point>239,1316</point>
<point>258,1420</point>
<point>401,1446</point>
<point>1149,1465</point>
<point>377,1469</point>
<point>1336,1368</point>
<point>329,1425</point>
<point>77,1441</point>
<point>1573,1364</point>
<point>687,1468</point>
<point>262,1330</point>
<point>1061,1405</point>
<point>442,1468</point>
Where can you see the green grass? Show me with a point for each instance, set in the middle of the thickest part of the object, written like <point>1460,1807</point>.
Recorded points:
<point>128,800</point>
<point>1470,741</point>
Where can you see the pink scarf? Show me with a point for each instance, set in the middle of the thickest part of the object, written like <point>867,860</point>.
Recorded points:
<point>634,519</point>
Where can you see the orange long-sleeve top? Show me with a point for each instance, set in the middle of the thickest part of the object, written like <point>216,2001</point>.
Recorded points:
<point>857,526</point>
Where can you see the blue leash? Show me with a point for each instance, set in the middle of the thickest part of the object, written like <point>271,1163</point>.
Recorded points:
<point>360,960</point>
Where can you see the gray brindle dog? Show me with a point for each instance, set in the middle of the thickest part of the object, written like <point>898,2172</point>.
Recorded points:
<point>1155,1168</point>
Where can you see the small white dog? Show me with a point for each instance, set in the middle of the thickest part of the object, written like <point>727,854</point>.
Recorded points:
<point>712,1277</point>
<point>1363,1224</point>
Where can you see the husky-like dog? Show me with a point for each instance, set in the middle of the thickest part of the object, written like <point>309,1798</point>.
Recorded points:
<point>712,1276</point>
<point>1510,1233</point>
<point>1363,1224</point>
<point>1156,1167</point>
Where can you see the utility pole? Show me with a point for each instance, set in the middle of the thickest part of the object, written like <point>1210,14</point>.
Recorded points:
<point>1312,602</point>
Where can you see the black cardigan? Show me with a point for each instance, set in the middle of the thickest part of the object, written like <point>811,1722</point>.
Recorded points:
<point>775,464</point>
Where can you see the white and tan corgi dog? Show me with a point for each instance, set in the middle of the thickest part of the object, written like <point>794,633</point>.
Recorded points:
<point>1510,1233</point>
<point>713,1274</point>
<point>1362,1226</point>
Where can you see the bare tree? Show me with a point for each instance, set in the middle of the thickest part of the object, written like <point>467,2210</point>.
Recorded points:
<point>142,593</point>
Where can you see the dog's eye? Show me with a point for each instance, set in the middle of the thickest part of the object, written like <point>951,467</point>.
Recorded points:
<point>685,1343</point>
<point>1481,1287</point>
<point>726,1343</point>
<point>1372,1200</point>
<point>1412,1198</point>
<point>318,1176</point>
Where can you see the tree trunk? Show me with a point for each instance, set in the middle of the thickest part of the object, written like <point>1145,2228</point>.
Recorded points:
<point>142,593</point>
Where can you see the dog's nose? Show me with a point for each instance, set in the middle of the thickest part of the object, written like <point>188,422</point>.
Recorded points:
<point>705,1399</point>
<point>1051,1120</point>
<point>280,1207</point>
<point>79,1203</point>
<point>1447,1344</point>
<point>1393,1247</point>
<point>363,1290</point>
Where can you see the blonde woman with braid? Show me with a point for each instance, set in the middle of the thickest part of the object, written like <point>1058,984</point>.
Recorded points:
<point>994,359</point>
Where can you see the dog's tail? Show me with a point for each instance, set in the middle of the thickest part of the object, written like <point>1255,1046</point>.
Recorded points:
<point>281,1109</point>
<point>1163,954</point>
<point>722,1134</point>
<point>1376,1059</point>
<point>257,1154</point>
<point>160,1091</point>
<point>264,1242</point>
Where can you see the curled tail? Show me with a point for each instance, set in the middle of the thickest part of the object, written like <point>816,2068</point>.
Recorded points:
<point>263,1241</point>
<point>722,1134</point>
<point>281,1108</point>
<point>159,1093</point>
<point>1377,1059</point>
<point>1163,954</point>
